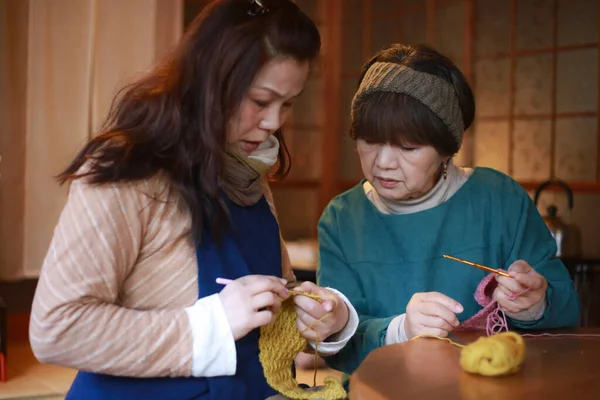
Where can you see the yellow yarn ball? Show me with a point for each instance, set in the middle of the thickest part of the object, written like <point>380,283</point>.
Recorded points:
<point>496,355</point>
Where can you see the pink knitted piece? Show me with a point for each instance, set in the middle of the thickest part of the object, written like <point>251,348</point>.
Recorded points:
<point>483,296</point>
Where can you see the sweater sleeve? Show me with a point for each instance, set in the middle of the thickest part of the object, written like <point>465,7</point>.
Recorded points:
<point>76,321</point>
<point>333,270</point>
<point>534,244</point>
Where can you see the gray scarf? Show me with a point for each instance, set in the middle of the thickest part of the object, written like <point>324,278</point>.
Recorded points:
<point>243,174</point>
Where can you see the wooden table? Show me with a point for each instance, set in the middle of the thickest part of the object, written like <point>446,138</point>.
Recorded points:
<point>554,368</point>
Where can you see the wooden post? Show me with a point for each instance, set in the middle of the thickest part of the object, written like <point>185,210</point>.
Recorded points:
<point>331,135</point>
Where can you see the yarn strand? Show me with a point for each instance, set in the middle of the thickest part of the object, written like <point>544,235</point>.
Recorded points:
<point>316,357</point>
<point>496,320</point>
<point>497,355</point>
<point>426,335</point>
<point>497,323</point>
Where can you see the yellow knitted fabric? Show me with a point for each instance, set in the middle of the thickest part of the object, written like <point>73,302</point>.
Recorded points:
<point>279,344</point>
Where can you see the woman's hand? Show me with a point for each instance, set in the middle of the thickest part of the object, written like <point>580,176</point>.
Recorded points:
<point>525,289</point>
<point>431,313</point>
<point>313,321</point>
<point>252,301</point>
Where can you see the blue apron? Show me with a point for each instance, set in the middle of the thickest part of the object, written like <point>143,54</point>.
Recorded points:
<point>250,246</point>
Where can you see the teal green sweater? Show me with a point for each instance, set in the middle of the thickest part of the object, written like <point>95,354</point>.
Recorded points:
<point>379,260</point>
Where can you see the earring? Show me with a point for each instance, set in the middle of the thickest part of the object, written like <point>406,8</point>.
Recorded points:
<point>445,170</point>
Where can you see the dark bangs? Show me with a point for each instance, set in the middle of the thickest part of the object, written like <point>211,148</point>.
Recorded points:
<point>400,120</point>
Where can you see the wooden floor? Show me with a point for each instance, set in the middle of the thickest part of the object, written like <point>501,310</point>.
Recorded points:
<point>30,380</point>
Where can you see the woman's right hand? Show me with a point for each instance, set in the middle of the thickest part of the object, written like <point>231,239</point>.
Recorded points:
<point>252,301</point>
<point>431,313</point>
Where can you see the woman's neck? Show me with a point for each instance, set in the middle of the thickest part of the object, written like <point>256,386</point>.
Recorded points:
<point>432,184</point>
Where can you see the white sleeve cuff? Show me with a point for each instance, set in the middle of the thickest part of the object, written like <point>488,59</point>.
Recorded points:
<point>395,332</point>
<point>337,341</point>
<point>533,313</point>
<point>213,348</point>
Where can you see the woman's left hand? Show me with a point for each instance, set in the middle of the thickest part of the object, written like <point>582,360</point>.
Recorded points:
<point>312,315</point>
<point>525,289</point>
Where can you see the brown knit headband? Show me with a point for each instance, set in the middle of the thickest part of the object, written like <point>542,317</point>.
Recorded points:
<point>435,93</point>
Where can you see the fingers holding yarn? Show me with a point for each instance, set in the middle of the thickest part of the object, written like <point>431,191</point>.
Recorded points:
<point>509,303</point>
<point>306,317</point>
<point>248,302</point>
<point>510,286</point>
<point>525,289</point>
<point>262,283</point>
<point>262,318</point>
<point>310,287</point>
<point>436,297</point>
<point>510,294</point>
<point>519,266</point>
<point>321,305</point>
<point>531,281</point>
<point>315,329</point>
<point>436,311</point>
<point>266,300</point>
<point>307,330</point>
<point>433,322</point>
<point>422,330</point>
<point>526,276</point>
<point>431,313</point>
<point>309,306</point>
<point>328,299</point>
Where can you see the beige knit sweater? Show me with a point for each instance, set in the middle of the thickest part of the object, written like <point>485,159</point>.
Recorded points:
<point>119,272</point>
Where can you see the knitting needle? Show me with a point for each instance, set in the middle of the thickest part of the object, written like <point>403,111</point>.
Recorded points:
<point>483,267</point>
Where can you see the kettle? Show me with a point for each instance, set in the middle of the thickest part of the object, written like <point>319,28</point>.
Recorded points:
<point>566,235</point>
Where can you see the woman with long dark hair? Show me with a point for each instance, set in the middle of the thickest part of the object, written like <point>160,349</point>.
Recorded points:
<point>171,195</point>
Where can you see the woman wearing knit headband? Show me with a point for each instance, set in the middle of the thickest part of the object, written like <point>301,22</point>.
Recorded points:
<point>382,242</point>
<point>170,196</point>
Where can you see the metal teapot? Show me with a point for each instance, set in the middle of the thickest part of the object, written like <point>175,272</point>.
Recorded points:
<point>567,235</point>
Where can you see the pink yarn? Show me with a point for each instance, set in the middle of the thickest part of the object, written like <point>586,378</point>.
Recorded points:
<point>492,318</point>
<point>484,297</point>
<point>496,322</point>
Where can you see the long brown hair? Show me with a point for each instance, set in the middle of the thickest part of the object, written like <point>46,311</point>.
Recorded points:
<point>174,119</point>
<point>398,119</point>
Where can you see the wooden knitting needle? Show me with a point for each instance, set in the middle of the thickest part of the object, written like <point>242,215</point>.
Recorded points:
<point>483,267</point>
